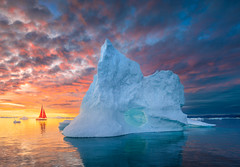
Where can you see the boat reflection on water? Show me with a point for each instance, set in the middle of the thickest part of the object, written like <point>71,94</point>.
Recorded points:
<point>42,126</point>
<point>145,149</point>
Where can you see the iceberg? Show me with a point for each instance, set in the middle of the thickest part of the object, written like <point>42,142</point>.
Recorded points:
<point>121,100</point>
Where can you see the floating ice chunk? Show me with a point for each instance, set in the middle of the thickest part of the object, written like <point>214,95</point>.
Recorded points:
<point>195,123</point>
<point>198,119</point>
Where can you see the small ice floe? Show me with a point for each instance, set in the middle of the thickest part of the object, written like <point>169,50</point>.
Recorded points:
<point>15,121</point>
<point>63,124</point>
<point>198,119</point>
<point>217,118</point>
<point>195,123</point>
<point>24,118</point>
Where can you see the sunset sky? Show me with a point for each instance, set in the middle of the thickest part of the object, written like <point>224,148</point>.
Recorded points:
<point>49,50</point>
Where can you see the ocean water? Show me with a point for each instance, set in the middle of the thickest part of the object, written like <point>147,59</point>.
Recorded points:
<point>36,143</point>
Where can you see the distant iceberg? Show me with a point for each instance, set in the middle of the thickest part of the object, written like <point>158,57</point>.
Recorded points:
<point>24,118</point>
<point>122,101</point>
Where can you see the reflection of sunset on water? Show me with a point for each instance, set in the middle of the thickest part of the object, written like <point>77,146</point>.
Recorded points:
<point>35,143</point>
<point>43,126</point>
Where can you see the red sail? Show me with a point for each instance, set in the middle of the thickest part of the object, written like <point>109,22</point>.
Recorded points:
<point>42,113</point>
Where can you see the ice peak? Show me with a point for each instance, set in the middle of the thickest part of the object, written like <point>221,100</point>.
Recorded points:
<point>107,42</point>
<point>107,45</point>
<point>107,49</point>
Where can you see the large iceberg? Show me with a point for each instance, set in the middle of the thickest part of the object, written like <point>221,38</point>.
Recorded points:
<point>121,100</point>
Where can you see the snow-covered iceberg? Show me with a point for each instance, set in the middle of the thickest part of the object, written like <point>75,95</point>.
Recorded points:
<point>121,100</point>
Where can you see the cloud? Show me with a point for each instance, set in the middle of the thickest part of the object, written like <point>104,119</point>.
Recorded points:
<point>13,104</point>
<point>54,70</point>
<point>39,13</point>
<point>3,68</point>
<point>37,38</point>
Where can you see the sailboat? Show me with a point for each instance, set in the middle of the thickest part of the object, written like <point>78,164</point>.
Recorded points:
<point>42,115</point>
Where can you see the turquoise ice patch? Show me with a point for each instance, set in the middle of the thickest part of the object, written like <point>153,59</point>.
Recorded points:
<point>135,117</point>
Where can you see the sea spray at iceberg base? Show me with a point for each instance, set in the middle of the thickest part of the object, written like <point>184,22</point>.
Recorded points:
<point>122,101</point>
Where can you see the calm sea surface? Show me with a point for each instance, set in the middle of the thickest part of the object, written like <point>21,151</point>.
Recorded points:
<point>36,143</point>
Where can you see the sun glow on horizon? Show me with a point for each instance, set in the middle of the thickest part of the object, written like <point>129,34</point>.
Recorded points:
<point>63,101</point>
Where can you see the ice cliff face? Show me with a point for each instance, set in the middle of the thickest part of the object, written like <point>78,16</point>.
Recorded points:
<point>121,100</point>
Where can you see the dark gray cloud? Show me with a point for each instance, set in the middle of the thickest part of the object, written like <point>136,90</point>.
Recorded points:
<point>87,71</point>
<point>45,60</point>
<point>33,9</point>
<point>54,70</point>
<point>3,68</point>
<point>39,13</point>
